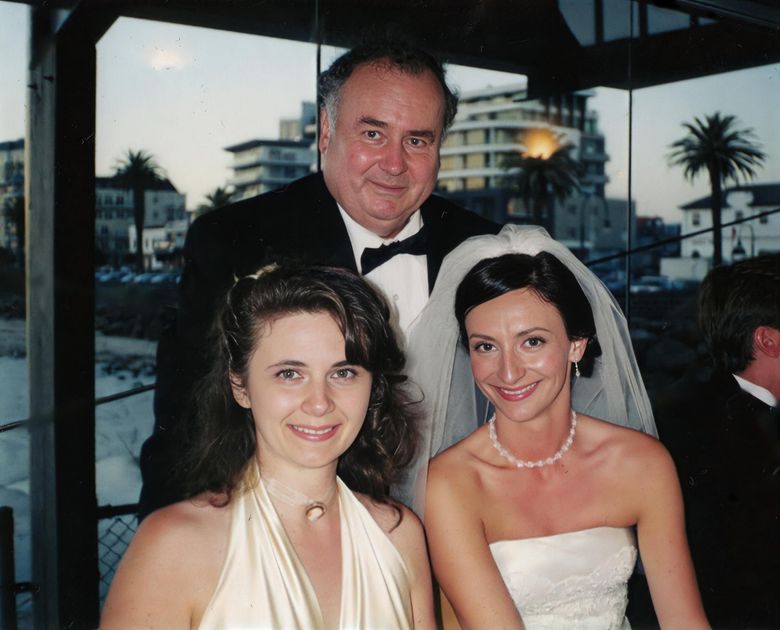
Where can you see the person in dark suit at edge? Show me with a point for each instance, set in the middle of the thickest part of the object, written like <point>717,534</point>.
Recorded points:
<point>723,435</point>
<point>384,109</point>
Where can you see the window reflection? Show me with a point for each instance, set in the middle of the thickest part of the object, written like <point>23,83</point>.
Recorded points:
<point>176,102</point>
<point>684,204</point>
<point>498,125</point>
<point>227,115</point>
<point>14,395</point>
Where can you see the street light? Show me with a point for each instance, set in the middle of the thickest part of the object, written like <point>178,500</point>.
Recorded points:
<point>586,192</point>
<point>739,253</point>
<point>540,143</point>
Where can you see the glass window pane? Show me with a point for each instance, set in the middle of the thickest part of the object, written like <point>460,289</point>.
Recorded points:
<point>664,281</point>
<point>660,114</point>
<point>217,116</point>
<point>661,20</point>
<point>14,394</point>
<point>591,216</point>
<point>580,17</point>
<point>617,19</point>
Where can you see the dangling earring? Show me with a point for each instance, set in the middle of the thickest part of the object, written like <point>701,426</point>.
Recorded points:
<point>576,369</point>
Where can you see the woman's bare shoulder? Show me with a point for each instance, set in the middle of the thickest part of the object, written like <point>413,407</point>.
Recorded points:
<point>629,449</point>
<point>194,517</point>
<point>171,566</point>
<point>398,522</point>
<point>171,533</point>
<point>605,434</point>
<point>389,516</point>
<point>461,458</point>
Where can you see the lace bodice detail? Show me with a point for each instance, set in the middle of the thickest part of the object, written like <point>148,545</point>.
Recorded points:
<point>574,580</point>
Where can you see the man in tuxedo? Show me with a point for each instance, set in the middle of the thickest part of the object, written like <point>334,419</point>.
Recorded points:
<point>723,435</point>
<point>383,113</point>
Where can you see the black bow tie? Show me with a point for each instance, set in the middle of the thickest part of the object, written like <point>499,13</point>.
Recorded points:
<point>373,257</point>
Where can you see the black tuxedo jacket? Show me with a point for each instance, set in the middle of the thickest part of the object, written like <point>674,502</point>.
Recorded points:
<point>299,222</point>
<point>724,444</point>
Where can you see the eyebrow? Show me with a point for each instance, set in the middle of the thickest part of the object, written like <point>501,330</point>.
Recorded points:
<point>287,363</point>
<point>423,133</point>
<point>521,333</point>
<point>296,363</point>
<point>373,122</point>
<point>420,133</point>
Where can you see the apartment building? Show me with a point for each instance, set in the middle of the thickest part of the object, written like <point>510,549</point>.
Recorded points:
<point>261,165</point>
<point>11,192</point>
<point>497,122</point>
<point>750,238</point>
<point>114,215</point>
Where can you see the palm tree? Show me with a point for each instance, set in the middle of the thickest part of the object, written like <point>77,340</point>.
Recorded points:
<point>138,172</point>
<point>540,180</point>
<point>715,145</point>
<point>216,199</point>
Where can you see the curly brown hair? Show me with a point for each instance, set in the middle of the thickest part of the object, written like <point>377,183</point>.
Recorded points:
<point>223,441</point>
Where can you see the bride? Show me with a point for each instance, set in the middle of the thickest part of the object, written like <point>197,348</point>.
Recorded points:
<point>531,519</point>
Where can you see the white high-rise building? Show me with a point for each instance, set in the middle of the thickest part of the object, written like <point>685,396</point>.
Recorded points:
<point>114,215</point>
<point>747,239</point>
<point>496,122</point>
<point>11,191</point>
<point>261,165</point>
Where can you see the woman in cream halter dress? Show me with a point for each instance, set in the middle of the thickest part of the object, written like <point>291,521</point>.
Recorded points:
<point>531,517</point>
<point>306,384</point>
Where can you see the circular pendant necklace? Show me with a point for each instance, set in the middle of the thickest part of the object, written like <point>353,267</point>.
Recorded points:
<point>521,463</point>
<point>313,509</point>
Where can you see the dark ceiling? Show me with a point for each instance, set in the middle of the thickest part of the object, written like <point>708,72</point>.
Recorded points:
<point>560,45</point>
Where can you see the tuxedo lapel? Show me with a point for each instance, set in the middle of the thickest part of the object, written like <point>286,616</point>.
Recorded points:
<point>322,235</point>
<point>433,219</point>
<point>745,412</point>
<point>329,236</point>
<point>740,405</point>
<point>448,226</point>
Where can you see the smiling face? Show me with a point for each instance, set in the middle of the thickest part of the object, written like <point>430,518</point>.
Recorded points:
<point>521,355</point>
<point>380,157</point>
<point>308,402</point>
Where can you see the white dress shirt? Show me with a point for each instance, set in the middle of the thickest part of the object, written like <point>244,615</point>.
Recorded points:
<point>763,394</point>
<point>403,279</point>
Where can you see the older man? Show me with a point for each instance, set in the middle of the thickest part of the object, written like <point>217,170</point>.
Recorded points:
<point>384,111</point>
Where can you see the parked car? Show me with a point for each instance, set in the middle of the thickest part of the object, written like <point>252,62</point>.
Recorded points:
<point>109,276</point>
<point>144,278</point>
<point>165,277</point>
<point>656,284</point>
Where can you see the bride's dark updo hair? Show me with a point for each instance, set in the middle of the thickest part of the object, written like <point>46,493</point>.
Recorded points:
<point>222,443</point>
<point>543,274</point>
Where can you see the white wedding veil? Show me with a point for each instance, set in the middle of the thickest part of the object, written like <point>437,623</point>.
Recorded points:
<point>439,364</point>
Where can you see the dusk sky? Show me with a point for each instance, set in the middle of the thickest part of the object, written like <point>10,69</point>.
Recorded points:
<point>184,93</point>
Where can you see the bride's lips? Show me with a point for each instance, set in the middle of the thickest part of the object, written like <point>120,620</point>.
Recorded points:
<point>516,393</point>
<point>313,434</point>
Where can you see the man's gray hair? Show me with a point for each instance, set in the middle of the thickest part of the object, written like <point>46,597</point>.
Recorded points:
<point>405,59</point>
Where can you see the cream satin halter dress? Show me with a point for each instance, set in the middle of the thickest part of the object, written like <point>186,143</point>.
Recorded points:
<point>263,584</point>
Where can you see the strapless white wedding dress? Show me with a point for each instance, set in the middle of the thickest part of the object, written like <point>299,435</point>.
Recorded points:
<point>577,580</point>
